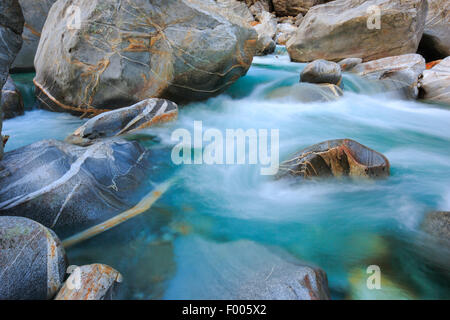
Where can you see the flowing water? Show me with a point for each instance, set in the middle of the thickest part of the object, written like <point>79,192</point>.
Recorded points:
<point>340,225</point>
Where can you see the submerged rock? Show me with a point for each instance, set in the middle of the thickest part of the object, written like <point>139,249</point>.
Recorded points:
<point>125,52</point>
<point>35,13</point>
<point>32,260</point>
<point>399,72</point>
<point>242,270</point>
<point>67,187</point>
<point>307,92</point>
<point>336,158</point>
<point>349,63</point>
<point>435,43</point>
<point>124,120</point>
<point>91,282</point>
<point>11,27</point>
<point>11,100</point>
<point>347,34</point>
<point>437,224</point>
<point>435,84</point>
<point>322,71</point>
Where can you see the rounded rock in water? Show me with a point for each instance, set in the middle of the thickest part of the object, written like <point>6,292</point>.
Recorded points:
<point>32,260</point>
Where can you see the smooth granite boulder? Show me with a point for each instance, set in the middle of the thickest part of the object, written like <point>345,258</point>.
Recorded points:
<point>348,28</point>
<point>400,73</point>
<point>322,71</point>
<point>336,158</point>
<point>435,84</point>
<point>91,282</point>
<point>349,63</point>
<point>266,30</point>
<point>242,270</point>
<point>119,53</point>
<point>11,100</point>
<point>32,260</point>
<point>11,27</point>
<point>124,120</point>
<point>67,187</point>
<point>35,13</point>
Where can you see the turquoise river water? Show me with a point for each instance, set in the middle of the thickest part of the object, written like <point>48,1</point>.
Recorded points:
<point>342,226</point>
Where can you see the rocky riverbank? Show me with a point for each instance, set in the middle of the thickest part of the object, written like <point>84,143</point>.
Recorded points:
<point>129,66</point>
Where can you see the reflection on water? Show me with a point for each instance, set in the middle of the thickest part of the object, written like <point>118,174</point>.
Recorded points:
<point>341,226</point>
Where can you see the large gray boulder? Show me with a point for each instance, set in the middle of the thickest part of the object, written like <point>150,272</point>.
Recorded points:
<point>128,51</point>
<point>124,120</point>
<point>336,158</point>
<point>67,187</point>
<point>35,13</point>
<point>11,27</point>
<point>11,100</point>
<point>435,84</point>
<point>436,37</point>
<point>322,71</point>
<point>242,270</point>
<point>400,73</point>
<point>339,29</point>
<point>32,260</point>
<point>90,282</point>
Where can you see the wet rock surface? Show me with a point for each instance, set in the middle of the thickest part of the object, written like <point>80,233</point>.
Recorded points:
<point>32,260</point>
<point>91,282</point>
<point>437,224</point>
<point>126,52</point>
<point>11,100</point>
<point>349,63</point>
<point>308,92</point>
<point>244,270</point>
<point>398,73</point>
<point>322,71</point>
<point>124,120</point>
<point>347,33</point>
<point>67,187</point>
<point>294,7</point>
<point>336,158</point>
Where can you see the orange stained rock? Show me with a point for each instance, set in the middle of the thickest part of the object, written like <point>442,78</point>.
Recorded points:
<point>432,64</point>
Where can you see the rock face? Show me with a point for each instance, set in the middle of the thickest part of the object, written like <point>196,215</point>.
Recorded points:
<point>66,187</point>
<point>35,13</point>
<point>266,31</point>
<point>435,84</point>
<point>340,29</point>
<point>32,260</point>
<point>322,71</point>
<point>400,72</point>
<point>336,158</point>
<point>124,120</point>
<point>91,282</point>
<point>284,32</point>
<point>294,7</point>
<point>126,52</point>
<point>11,100</point>
<point>437,224</point>
<point>11,27</point>
<point>308,92</point>
<point>243,270</point>
<point>436,37</point>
